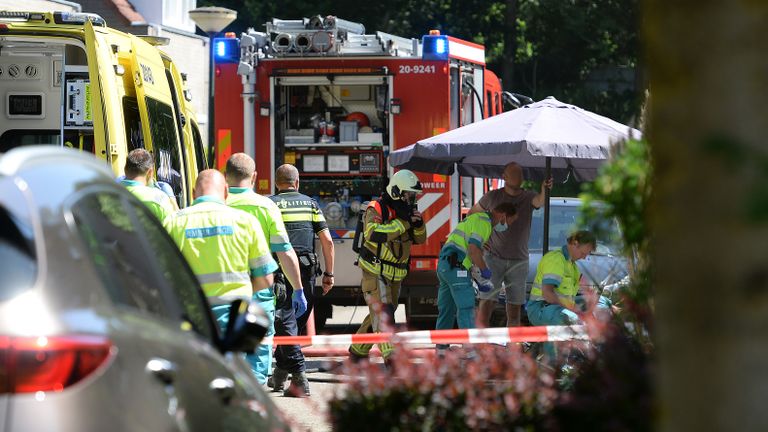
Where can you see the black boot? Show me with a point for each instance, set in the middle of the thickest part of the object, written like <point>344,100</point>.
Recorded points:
<point>299,385</point>
<point>277,380</point>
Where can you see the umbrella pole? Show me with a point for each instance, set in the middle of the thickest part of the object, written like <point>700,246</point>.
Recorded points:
<point>547,174</point>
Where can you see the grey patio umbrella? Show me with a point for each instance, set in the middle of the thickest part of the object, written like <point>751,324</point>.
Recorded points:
<point>542,137</point>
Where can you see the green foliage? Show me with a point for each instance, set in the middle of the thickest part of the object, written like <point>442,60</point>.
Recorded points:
<point>500,389</point>
<point>624,185</point>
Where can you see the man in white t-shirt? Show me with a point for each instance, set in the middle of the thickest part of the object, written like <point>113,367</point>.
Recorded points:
<point>506,253</point>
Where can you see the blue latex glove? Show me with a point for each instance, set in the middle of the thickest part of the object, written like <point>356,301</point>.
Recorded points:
<point>484,285</point>
<point>485,273</point>
<point>299,302</point>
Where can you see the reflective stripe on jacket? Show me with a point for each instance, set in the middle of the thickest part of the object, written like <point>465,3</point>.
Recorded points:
<point>392,239</point>
<point>556,268</point>
<point>475,229</point>
<point>225,247</point>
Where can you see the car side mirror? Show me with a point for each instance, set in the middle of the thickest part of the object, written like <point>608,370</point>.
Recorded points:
<point>246,328</point>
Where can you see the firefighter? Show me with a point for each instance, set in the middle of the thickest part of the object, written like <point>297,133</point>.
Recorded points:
<point>225,247</point>
<point>240,173</point>
<point>390,226</point>
<point>461,260</point>
<point>138,169</point>
<point>303,220</point>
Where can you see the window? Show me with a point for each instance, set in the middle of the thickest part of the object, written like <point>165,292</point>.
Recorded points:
<point>134,136</point>
<point>564,220</point>
<point>73,138</point>
<point>165,144</point>
<point>122,264</point>
<point>175,271</point>
<point>18,263</point>
<point>202,163</point>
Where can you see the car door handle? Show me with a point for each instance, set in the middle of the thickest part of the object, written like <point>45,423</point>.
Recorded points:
<point>161,368</point>
<point>223,387</point>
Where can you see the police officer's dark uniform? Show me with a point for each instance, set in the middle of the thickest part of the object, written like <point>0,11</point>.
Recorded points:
<point>303,219</point>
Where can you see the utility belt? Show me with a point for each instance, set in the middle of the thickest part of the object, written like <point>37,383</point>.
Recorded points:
<point>371,257</point>
<point>453,260</point>
<point>307,259</point>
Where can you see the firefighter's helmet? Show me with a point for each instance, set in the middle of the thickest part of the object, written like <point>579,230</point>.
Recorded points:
<point>403,181</point>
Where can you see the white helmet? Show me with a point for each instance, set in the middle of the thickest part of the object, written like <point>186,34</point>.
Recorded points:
<point>402,181</point>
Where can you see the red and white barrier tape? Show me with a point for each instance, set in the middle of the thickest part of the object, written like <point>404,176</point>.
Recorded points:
<point>487,335</point>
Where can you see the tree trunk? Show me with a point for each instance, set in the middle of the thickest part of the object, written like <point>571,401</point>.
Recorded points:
<point>709,107</point>
<point>510,46</point>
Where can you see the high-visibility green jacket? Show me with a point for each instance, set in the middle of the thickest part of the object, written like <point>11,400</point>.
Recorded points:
<point>474,229</point>
<point>556,268</point>
<point>266,211</point>
<point>224,246</point>
<point>156,200</point>
<point>392,239</point>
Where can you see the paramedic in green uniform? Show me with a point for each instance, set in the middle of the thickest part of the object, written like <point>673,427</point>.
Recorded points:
<point>553,299</point>
<point>138,172</point>
<point>240,173</point>
<point>461,259</point>
<point>225,247</point>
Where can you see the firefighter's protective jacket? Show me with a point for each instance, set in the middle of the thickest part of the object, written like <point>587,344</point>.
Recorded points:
<point>387,247</point>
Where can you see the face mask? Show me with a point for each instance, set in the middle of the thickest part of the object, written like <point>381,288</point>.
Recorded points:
<point>500,227</point>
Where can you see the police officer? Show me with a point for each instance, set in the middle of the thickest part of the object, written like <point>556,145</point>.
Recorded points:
<point>139,166</point>
<point>303,220</point>
<point>391,225</point>
<point>462,252</point>
<point>240,173</point>
<point>225,247</point>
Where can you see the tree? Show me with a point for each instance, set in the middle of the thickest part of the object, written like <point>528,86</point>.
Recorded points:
<point>706,65</point>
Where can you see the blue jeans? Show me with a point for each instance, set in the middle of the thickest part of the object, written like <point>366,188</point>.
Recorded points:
<point>455,297</point>
<point>261,360</point>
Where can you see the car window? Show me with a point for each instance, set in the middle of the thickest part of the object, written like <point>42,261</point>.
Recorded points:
<point>174,270</point>
<point>18,264</point>
<point>123,265</point>
<point>564,220</point>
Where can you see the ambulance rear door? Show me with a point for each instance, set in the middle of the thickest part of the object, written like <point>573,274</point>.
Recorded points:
<point>101,93</point>
<point>158,118</point>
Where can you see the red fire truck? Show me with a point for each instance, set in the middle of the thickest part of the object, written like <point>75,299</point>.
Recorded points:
<point>325,96</point>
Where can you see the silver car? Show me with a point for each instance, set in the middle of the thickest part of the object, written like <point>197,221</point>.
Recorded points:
<point>102,324</point>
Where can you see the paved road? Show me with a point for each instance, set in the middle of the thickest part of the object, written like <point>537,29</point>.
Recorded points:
<point>311,414</point>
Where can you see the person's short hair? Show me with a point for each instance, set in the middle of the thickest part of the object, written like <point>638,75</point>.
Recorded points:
<point>508,208</point>
<point>583,237</point>
<point>239,167</point>
<point>138,163</point>
<point>286,174</point>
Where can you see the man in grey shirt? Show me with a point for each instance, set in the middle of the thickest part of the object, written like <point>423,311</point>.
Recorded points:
<point>506,252</point>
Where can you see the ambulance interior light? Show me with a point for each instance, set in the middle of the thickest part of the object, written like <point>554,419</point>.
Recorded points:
<point>434,47</point>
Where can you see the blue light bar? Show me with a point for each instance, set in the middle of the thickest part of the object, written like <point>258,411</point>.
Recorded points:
<point>226,50</point>
<point>434,47</point>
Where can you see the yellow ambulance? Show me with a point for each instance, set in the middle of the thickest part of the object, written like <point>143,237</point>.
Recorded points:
<point>67,79</point>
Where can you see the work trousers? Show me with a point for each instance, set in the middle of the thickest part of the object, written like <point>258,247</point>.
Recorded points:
<point>455,297</point>
<point>290,357</point>
<point>261,360</point>
<point>541,313</point>
<point>381,298</point>
<point>308,282</point>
